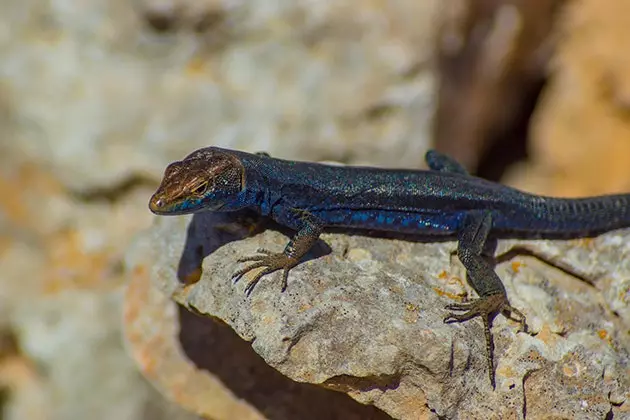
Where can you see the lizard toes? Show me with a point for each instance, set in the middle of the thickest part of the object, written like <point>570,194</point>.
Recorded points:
<point>240,273</point>
<point>252,283</point>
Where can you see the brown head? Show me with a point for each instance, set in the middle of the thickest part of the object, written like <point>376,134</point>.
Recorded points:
<point>207,179</point>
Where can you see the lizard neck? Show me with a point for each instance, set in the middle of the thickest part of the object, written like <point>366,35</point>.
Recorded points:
<point>257,194</point>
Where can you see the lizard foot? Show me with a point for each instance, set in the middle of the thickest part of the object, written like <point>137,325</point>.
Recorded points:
<point>486,308</point>
<point>271,261</point>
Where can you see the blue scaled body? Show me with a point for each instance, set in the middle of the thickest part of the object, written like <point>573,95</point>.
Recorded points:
<point>415,201</point>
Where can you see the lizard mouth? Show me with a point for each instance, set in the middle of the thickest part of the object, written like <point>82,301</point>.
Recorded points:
<point>160,206</point>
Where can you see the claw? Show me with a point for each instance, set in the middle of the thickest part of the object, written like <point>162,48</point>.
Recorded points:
<point>485,306</point>
<point>285,277</point>
<point>250,286</point>
<point>240,273</point>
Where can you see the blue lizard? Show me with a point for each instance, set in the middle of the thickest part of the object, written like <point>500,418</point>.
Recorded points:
<point>445,200</point>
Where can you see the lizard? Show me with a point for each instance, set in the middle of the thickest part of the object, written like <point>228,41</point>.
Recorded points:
<point>444,200</point>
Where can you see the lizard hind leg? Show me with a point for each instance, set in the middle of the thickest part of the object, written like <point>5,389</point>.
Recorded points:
<point>483,279</point>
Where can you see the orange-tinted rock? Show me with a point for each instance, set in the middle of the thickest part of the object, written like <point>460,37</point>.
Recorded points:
<point>580,133</point>
<point>152,329</point>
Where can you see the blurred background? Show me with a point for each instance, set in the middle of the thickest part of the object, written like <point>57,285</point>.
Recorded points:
<point>98,96</point>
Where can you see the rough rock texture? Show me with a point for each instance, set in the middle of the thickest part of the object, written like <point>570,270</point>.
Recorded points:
<point>366,319</point>
<point>579,144</point>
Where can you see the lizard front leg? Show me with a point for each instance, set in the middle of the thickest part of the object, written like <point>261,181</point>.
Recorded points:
<point>298,246</point>
<point>482,277</point>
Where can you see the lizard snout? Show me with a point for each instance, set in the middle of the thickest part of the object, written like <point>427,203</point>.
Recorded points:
<point>156,204</point>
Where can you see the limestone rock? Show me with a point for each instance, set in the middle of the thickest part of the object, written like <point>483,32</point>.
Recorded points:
<point>203,366</point>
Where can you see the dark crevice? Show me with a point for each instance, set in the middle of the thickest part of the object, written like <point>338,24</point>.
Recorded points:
<point>5,396</point>
<point>213,26</point>
<point>113,193</point>
<point>347,383</point>
<point>169,20</point>
<point>610,415</point>
<point>159,21</point>
<point>509,145</point>
<point>9,346</point>
<point>439,416</point>
<point>525,378</point>
<point>451,359</point>
<point>483,116</point>
<point>559,333</point>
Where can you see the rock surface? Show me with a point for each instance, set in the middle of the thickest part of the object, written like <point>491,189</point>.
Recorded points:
<point>366,319</point>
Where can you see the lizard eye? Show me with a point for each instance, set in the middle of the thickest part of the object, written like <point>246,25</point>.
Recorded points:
<point>200,189</point>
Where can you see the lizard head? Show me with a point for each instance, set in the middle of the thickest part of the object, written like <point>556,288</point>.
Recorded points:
<point>206,179</point>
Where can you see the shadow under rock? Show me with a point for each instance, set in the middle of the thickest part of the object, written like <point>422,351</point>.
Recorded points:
<point>213,346</point>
